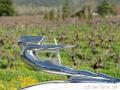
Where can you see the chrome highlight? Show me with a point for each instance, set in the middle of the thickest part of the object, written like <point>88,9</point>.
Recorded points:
<point>30,44</point>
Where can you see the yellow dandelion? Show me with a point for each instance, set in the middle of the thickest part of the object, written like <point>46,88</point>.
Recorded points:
<point>2,87</point>
<point>26,81</point>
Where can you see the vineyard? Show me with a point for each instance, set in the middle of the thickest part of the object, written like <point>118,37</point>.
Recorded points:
<point>97,48</point>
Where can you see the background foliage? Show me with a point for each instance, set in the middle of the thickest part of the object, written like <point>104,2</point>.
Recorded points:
<point>97,49</point>
<point>6,8</point>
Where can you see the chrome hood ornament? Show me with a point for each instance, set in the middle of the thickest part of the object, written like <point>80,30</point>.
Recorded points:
<point>31,44</point>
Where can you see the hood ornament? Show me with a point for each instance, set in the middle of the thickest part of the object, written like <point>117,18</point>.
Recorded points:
<point>31,44</point>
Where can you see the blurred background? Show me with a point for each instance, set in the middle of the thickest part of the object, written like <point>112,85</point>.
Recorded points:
<point>93,26</point>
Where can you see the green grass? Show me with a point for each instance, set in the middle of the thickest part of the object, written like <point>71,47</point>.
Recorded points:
<point>89,36</point>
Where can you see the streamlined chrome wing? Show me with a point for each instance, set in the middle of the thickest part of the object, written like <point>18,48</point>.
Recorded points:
<point>33,39</point>
<point>30,43</point>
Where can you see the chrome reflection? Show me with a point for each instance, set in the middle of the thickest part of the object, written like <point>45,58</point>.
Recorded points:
<point>31,44</point>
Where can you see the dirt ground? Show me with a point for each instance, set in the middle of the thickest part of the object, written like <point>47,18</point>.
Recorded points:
<point>38,20</point>
<point>21,20</point>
